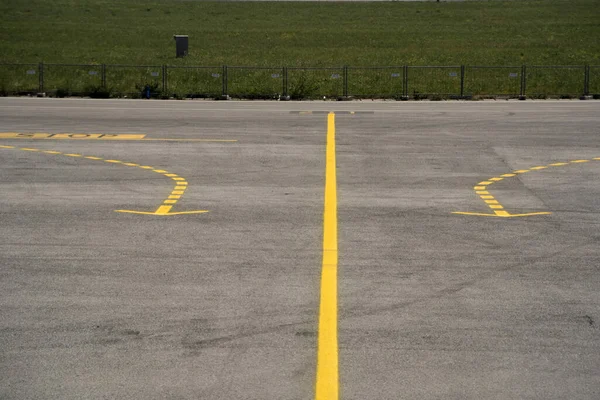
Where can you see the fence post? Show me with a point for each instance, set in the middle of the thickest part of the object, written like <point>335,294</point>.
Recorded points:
<point>586,81</point>
<point>164,79</point>
<point>522,96</point>
<point>405,94</point>
<point>103,76</point>
<point>345,81</point>
<point>224,80</point>
<point>41,77</point>
<point>462,81</point>
<point>285,82</point>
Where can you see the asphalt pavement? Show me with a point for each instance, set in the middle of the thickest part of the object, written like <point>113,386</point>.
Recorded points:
<point>500,303</point>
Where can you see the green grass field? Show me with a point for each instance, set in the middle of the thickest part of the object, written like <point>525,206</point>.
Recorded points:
<point>542,32</point>
<point>302,34</point>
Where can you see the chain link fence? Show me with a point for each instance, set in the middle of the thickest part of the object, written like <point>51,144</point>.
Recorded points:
<point>394,82</point>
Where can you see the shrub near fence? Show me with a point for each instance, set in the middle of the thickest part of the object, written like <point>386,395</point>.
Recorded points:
<point>314,83</point>
<point>131,80</point>
<point>66,80</point>
<point>255,82</point>
<point>418,82</point>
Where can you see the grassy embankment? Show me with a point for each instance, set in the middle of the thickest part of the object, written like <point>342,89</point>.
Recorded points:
<point>508,33</point>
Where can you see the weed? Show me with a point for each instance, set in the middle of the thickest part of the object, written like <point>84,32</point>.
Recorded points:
<point>98,92</point>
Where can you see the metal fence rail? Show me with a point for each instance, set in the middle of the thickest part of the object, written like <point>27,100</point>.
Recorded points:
<point>397,82</point>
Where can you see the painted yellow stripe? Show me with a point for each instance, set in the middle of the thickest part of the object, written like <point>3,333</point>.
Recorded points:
<point>521,171</point>
<point>7,147</point>
<point>93,158</point>
<point>114,161</point>
<point>102,136</point>
<point>579,161</point>
<point>130,164</point>
<point>508,175</point>
<point>485,183</point>
<point>327,386</point>
<point>73,155</point>
<point>496,179</point>
<point>177,192</point>
<point>559,164</point>
<point>188,140</point>
<point>538,168</point>
<point>160,171</point>
<point>79,136</point>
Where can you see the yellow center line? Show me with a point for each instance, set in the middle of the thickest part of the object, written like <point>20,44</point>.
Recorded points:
<point>327,385</point>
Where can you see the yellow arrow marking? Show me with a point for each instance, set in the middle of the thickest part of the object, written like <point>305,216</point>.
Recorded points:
<point>497,208</point>
<point>164,210</point>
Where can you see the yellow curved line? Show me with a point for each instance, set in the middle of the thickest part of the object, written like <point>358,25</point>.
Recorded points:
<point>482,188</point>
<point>178,191</point>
